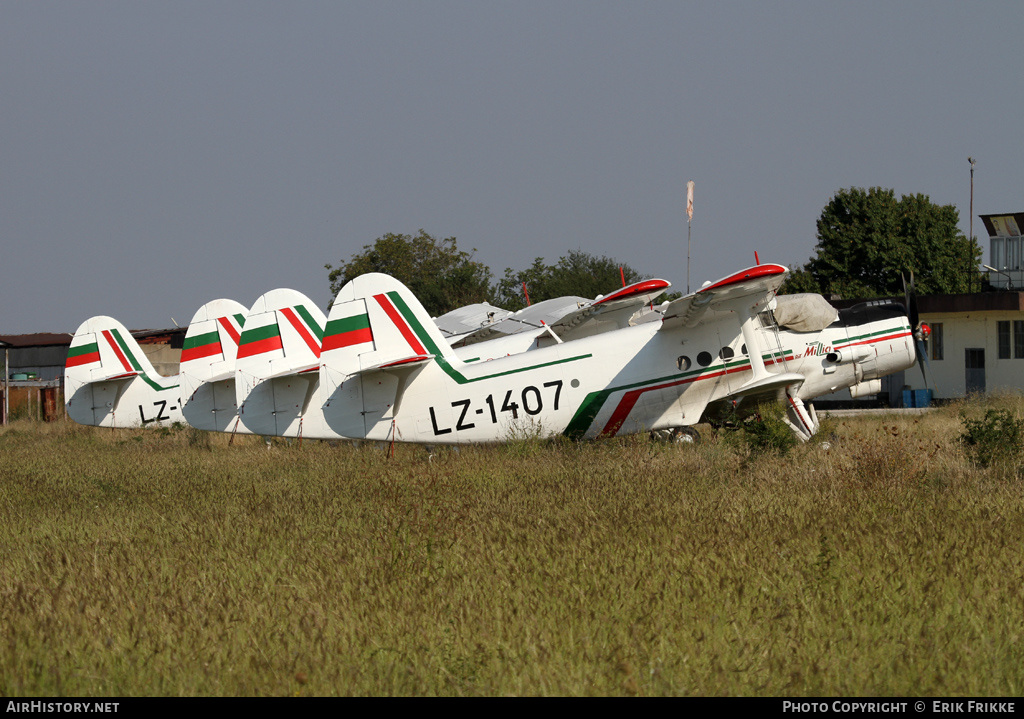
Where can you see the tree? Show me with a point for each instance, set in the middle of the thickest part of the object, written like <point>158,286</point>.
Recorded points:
<point>867,239</point>
<point>799,280</point>
<point>577,273</point>
<point>441,275</point>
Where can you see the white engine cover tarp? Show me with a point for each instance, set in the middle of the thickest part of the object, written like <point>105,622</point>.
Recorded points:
<point>804,312</point>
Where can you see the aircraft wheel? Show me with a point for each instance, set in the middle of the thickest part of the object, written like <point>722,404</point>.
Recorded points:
<point>677,435</point>
<point>686,435</point>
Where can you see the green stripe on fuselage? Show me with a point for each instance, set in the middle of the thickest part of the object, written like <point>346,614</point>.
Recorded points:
<point>347,324</point>
<point>593,402</point>
<point>860,338</point>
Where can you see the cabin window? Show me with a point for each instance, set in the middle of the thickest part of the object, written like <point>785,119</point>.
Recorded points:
<point>936,341</point>
<point>683,362</point>
<point>704,359</point>
<point>726,353</point>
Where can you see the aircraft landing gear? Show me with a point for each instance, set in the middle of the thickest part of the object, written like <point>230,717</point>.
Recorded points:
<point>677,435</point>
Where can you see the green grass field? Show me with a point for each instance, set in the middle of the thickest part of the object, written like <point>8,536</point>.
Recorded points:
<point>165,562</point>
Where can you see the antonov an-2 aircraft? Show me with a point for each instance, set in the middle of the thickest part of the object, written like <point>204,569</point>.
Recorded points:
<point>386,372</point>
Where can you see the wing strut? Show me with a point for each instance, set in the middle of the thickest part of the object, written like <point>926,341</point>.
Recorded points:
<point>762,379</point>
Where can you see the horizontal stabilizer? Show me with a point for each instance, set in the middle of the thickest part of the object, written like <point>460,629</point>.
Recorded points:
<point>398,364</point>
<point>291,372</point>
<point>468,320</point>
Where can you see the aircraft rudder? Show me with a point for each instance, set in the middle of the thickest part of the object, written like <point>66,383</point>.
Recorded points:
<point>397,316</point>
<point>101,348</point>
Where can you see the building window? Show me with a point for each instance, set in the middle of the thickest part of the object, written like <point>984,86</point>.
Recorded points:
<point>1013,253</point>
<point>998,255</point>
<point>1003,334</point>
<point>1018,339</point>
<point>936,341</point>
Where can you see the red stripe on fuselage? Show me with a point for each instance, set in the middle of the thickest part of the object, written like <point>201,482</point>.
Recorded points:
<point>873,340</point>
<point>401,324</point>
<point>313,345</point>
<point>629,399</point>
<point>347,339</point>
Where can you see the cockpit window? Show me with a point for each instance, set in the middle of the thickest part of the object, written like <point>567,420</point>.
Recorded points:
<point>870,312</point>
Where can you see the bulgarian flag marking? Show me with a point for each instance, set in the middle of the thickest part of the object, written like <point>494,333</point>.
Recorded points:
<point>83,354</point>
<point>259,340</point>
<point>347,331</point>
<point>199,346</point>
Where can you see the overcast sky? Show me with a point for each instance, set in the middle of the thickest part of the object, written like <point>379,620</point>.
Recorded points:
<point>157,155</point>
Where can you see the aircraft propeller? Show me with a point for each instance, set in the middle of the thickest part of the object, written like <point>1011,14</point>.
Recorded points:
<point>921,331</point>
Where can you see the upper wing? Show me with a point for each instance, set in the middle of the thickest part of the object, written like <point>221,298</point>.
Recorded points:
<point>752,288</point>
<point>466,321</point>
<point>613,310</point>
<point>572,317</point>
<point>745,293</point>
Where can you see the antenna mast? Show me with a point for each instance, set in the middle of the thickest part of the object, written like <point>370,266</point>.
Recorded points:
<point>689,217</point>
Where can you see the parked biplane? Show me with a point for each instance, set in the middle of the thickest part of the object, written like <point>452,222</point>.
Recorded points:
<point>388,373</point>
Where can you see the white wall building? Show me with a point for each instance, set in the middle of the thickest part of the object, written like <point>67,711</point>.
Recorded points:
<point>977,339</point>
<point>976,343</point>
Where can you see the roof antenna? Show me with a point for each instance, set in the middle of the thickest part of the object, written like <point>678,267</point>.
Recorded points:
<point>526,294</point>
<point>757,260</point>
<point>175,323</point>
<point>622,275</point>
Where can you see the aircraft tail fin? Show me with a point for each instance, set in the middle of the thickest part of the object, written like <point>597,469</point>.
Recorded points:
<point>102,362</point>
<point>377,322</point>
<point>103,349</point>
<point>379,339</point>
<point>278,359</point>
<point>208,365</point>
